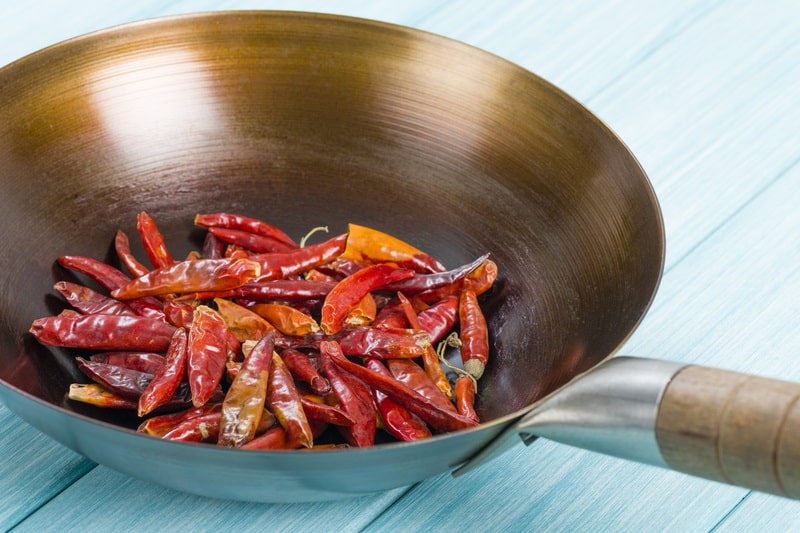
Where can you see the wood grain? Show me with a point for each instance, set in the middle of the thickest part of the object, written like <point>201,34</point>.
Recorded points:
<point>732,427</point>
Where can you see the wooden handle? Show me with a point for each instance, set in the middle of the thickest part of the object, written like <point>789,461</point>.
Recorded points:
<point>731,427</point>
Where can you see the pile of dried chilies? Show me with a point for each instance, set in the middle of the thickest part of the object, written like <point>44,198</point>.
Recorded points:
<point>257,342</point>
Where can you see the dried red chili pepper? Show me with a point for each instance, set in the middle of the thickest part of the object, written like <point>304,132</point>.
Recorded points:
<point>474,333</point>
<point>191,276</point>
<point>482,278</point>
<point>284,401</point>
<point>430,359</point>
<point>126,382</point>
<point>362,313</point>
<point>104,332</point>
<point>286,319</point>
<point>351,401</point>
<point>91,302</point>
<point>391,316</point>
<point>439,318</point>
<point>316,409</point>
<point>106,275</point>
<point>207,347</point>
<point>281,265</point>
<point>159,425</point>
<point>179,314</point>
<point>272,439</point>
<point>303,369</point>
<point>409,373</point>
<point>167,377</point>
<point>244,402</point>
<point>436,417</point>
<point>279,289</point>
<point>146,362</point>
<point>153,241</point>
<point>383,343</point>
<point>373,246</point>
<point>426,282</point>
<point>122,245</point>
<point>96,394</point>
<point>465,397</point>
<point>396,419</point>
<point>112,279</point>
<point>213,248</point>
<point>202,428</point>
<point>250,241</point>
<point>242,322</point>
<point>240,222</point>
<point>353,288</point>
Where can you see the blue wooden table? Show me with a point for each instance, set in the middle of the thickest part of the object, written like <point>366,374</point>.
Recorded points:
<point>707,94</point>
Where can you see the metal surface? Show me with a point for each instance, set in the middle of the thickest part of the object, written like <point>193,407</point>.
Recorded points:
<point>307,120</point>
<point>611,410</point>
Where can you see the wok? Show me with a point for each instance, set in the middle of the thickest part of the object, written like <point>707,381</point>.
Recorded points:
<point>306,120</point>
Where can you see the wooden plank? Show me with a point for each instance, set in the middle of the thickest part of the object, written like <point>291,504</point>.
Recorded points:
<point>758,512</point>
<point>104,500</point>
<point>33,470</point>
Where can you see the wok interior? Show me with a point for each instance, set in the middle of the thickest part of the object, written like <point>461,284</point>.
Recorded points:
<point>306,121</point>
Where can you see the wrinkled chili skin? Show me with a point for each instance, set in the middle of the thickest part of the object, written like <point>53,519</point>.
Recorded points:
<point>272,439</point>
<point>106,275</point>
<point>362,432</point>
<point>122,246</point>
<point>286,319</point>
<point>250,241</point>
<point>146,362</point>
<point>213,248</point>
<point>104,332</point>
<point>465,397</point>
<point>436,417</point>
<point>349,291</point>
<point>304,370</point>
<point>240,222</point>
<point>179,314</point>
<point>96,394</point>
<point>244,402</point>
<point>414,377</point>
<point>167,376</point>
<point>383,343</point>
<point>190,276</point>
<point>207,347</point>
<point>439,318</point>
<point>474,333</point>
<point>153,241</point>
<point>391,316</point>
<point>91,302</point>
<point>158,425</point>
<point>124,381</point>
<point>243,323</point>
<point>203,428</point>
<point>430,359</point>
<point>426,282</point>
<point>282,265</point>
<point>284,401</point>
<point>373,246</point>
<point>279,289</point>
<point>111,279</point>
<point>319,411</point>
<point>396,420</point>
